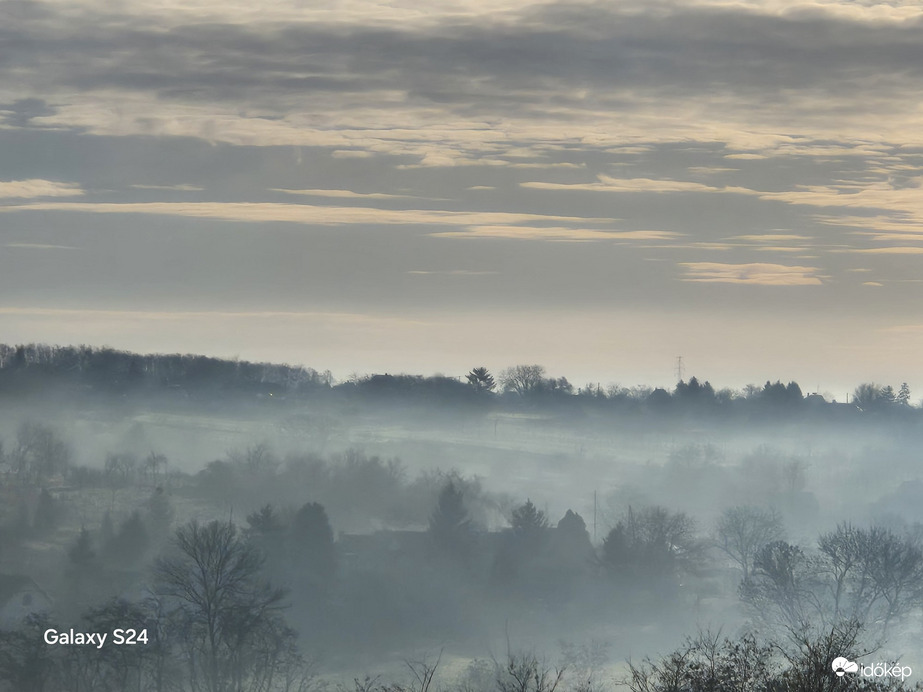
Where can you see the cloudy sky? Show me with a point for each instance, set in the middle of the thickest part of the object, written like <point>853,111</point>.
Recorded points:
<point>401,186</point>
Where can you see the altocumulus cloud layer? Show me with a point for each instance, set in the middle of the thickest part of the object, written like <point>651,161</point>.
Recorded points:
<point>710,178</point>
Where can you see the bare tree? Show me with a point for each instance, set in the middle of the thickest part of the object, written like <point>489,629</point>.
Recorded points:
<point>522,379</point>
<point>707,663</point>
<point>153,464</point>
<point>742,531</point>
<point>779,591</point>
<point>39,453</point>
<point>872,575</point>
<point>652,544</point>
<point>232,636</point>
<point>526,673</point>
<point>26,661</point>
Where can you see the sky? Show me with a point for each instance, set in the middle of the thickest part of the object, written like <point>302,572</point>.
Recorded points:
<point>363,186</point>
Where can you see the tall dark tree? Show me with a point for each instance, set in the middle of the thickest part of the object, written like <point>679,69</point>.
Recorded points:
<point>269,532</point>
<point>652,545</point>
<point>742,531</point>
<point>888,395</point>
<point>867,396</point>
<point>528,522</point>
<point>523,550</point>
<point>81,553</point>
<point>571,531</point>
<point>39,453</point>
<point>522,379</point>
<point>228,612</point>
<point>481,380</point>
<point>159,513</point>
<point>570,554</point>
<point>449,524</point>
<point>26,661</point>
<point>131,541</point>
<point>46,512</point>
<point>312,545</point>
<point>106,528</point>
<point>778,592</point>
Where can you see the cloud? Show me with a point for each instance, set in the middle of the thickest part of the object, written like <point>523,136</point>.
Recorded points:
<point>757,274</point>
<point>557,233</point>
<point>898,222</point>
<point>770,237</point>
<point>169,188</point>
<point>547,164</point>
<point>38,188</point>
<point>898,250</point>
<point>351,154</point>
<point>609,184</point>
<point>493,77</point>
<point>452,272</point>
<point>868,195</point>
<point>39,246</point>
<point>341,193</point>
<point>711,170</point>
<point>872,283</point>
<point>300,213</point>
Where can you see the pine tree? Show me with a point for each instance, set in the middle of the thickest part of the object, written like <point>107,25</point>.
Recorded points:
<point>131,541</point>
<point>46,512</point>
<point>159,513</point>
<point>481,380</point>
<point>81,553</point>
<point>528,520</point>
<point>449,525</point>
<point>311,538</point>
<point>106,529</point>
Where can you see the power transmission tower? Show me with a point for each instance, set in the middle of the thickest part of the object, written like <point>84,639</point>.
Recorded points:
<point>680,370</point>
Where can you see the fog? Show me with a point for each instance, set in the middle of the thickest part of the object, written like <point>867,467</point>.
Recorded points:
<point>458,532</point>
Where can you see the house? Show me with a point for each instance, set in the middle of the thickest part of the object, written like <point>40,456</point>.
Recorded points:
<point>20,597</point>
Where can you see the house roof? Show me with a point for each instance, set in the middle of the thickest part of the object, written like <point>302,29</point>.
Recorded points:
<point>13,584</point>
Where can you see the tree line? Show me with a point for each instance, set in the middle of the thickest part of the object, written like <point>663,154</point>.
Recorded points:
<point>25,368</point>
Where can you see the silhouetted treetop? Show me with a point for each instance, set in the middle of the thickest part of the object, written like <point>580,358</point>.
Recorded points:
<point>87,370</point>
<point>481,380</point>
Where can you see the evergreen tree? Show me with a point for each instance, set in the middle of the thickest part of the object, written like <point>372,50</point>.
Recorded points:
<point>311,538</point>
<point>46,512</point>
<point>530,529</point>
<point>106,529</point>
<point>131,541</point>
<point>81,553</point>
<point>159,513</point>
<point>887,395</point>
<point>265,521</point>
<point>481,380</point>
<point>267,531</point>
<point>570,546</point>
<point>528,521</point>
<point>449,525</point>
